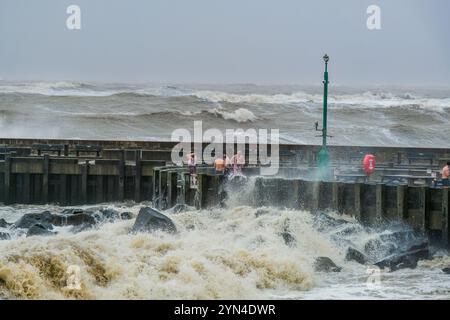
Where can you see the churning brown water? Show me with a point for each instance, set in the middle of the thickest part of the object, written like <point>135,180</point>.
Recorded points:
<point>216,254</point>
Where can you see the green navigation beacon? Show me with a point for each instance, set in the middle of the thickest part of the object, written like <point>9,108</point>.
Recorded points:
<point>323,158</point>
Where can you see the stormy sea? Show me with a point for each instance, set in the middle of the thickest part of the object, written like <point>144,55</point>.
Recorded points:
<point>373,116</point>
<point>241,250</point>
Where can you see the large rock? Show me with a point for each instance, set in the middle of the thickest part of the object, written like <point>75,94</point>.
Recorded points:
<point>348,230</point>
<point>149,220</point>
<point>76,219</point>
<point>99,214</point>
<point>30,219</point>
<point>72,211</point>
<point>407,259</point>
<point>71,217</point>
<point>126,215</point>
<point>376,246</point>
<point>288,238</point>
<point>325,264</point>
<point>4,236</point>
<point>446,270</point>
<point>39,230</point>
<point>355,255</point>
<point>110,214</point>
<point>4,224</point>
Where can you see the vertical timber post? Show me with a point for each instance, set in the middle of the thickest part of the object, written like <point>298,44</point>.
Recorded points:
<point>315,195</point>
<point>99,189</point>
<point>200,182</point>
<point>155,181</point>
<point>63,188</point>
<point>137,182</point>
<point>401,202</point>
<point>45,172</point>
<point>335,196</point>
<point>110,195</point>
<point>160,188</point>
<point>422,209</point>
<point>170,196</point>
<point>445,239</point>
<point>122,176</point>
<point>379,202</point>
<point>84,181</point>
<point>7,178</point>
<point>74,187</point>
<point>26,188</point>
<point>295,194</point>
<point>357,195</point>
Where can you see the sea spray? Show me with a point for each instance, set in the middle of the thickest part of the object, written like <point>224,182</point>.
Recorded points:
<point>237,252</point>
<point>217,254</point>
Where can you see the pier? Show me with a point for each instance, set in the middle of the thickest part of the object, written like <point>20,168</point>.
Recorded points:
<point>75,172</point>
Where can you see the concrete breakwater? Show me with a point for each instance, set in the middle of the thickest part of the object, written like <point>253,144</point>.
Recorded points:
<point>72,172</point>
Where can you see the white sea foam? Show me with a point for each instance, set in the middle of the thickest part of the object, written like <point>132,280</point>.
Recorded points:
<point>217,254</point>
<point>240,115</point>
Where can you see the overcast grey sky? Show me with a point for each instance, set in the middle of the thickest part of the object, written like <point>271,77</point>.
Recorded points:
<point>227,41</point>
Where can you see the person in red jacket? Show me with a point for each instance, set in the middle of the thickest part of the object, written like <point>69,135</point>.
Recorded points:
<point>446,175</point>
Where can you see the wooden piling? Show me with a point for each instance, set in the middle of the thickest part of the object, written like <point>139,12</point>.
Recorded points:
<point>99,189</point>
<point>295,203</point>
<point>74,190</point>
<point>110,189</point>
<point>7,179</point>
<point>45,174</point>
<point>63,189</point>
<point>181,194</point>
<point>200,203</point>
<point>35,188</point>
<point>26,188</point>
<point>160,188</point>
<point>444,225</point>
<point>315,195</point>
<point>416,212</point>
<point>84,181</point>
<point>335,196</point>
<point>402,203</point>
<point>423,207</point>
<point>121,184</point>
<point>379,211</point>
<point>357,201</point>
<point>155,182</point>
<point>137,177</point>
<point>170,194</point>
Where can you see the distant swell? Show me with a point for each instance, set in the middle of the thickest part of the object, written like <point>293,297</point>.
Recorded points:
<point>365,99</point>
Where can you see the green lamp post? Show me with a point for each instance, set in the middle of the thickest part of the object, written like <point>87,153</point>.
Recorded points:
<point>323,158</point>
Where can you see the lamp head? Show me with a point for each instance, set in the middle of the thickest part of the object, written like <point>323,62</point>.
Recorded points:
<point>326,58</point>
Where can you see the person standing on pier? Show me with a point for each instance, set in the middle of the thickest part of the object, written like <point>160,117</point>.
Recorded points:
<point>446,175</point>
<point>192,163</point>
<point>238,162</point>
<point>219,165</point>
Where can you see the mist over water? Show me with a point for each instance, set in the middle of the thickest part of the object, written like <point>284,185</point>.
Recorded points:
<point>357,116</point>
